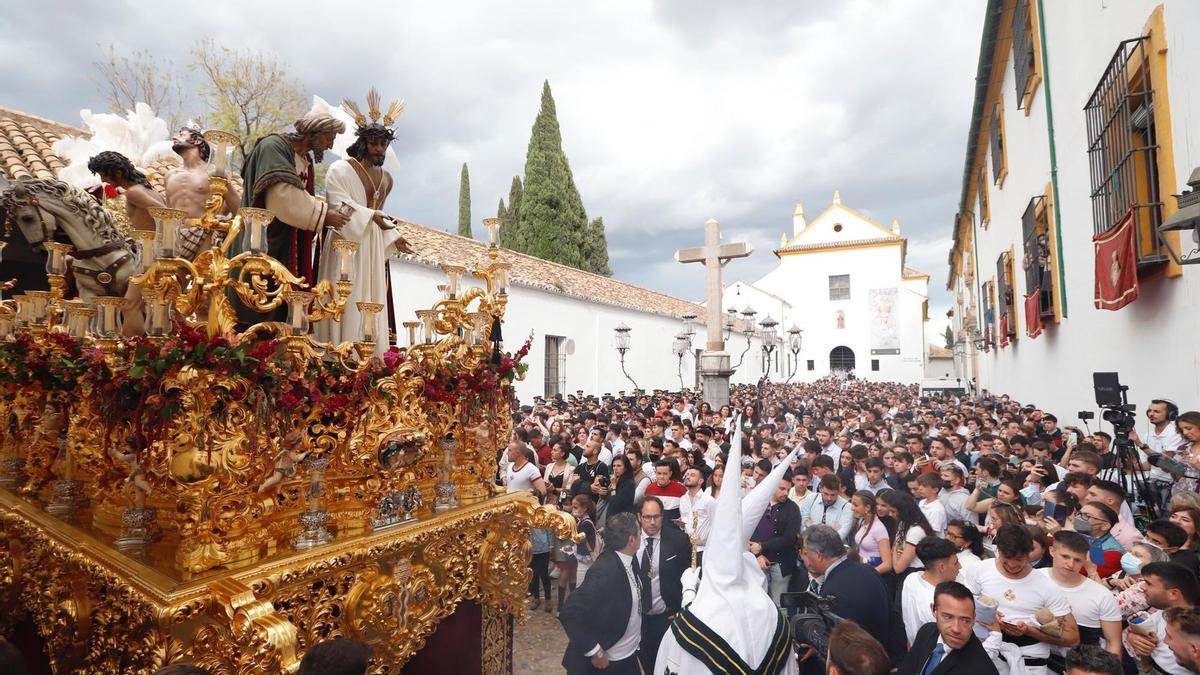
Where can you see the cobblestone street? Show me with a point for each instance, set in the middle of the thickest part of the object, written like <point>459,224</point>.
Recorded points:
<point>538,644</point>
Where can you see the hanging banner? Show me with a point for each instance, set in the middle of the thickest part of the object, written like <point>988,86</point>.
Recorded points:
<point>1033,314</point>
<point>1116,266</point>
<point>883,304</point>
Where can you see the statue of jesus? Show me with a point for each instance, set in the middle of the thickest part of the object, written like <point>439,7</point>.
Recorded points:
<point>188,188</point>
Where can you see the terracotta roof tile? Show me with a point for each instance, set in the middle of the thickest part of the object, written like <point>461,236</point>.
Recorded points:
<point>25,142</point>
<point>435,247</point>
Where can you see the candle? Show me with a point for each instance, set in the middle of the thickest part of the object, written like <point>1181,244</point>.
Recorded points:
<point>453,274</point>
<point>493,228</point>
<point>221,140</point>
<point>369,311</point>
<point>411,327</point>
<point>107,325</point>
<point>345,250</point>
<point>166,224</point>
<point>56,262</point>
<point>444,290</point>
<point>256,220</point>
<point>426,317</point>
<point>38,302</point>
<point>298,302</point>
<point>502,276</point>
<point>146,243</point>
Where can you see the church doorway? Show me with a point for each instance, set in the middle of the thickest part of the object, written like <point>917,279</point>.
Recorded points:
<point>841,360</point>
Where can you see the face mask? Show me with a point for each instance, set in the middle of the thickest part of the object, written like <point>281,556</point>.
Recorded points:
<point>1131,564</point>
<point>1083,525</point>
<point>1031,495</point>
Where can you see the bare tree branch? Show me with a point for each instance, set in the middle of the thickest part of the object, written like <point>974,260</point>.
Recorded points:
<point>123,80</point>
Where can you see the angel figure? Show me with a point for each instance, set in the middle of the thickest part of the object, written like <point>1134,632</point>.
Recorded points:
<point>286,461</point>
<point>137,475</point>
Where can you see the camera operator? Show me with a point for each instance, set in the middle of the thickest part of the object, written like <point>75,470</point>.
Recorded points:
<point>1162,438</point>
<point>857,590</point>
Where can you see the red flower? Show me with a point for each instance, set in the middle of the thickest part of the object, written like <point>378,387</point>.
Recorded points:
<point>110,192</point>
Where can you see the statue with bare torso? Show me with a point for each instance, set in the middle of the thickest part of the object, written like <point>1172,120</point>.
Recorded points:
<point>116,170</point>
<point>188,188</point>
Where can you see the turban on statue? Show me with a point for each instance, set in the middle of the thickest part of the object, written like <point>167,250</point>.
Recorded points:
<point>319,123</point>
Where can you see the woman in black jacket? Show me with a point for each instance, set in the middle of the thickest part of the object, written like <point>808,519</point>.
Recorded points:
<point>622,488</point>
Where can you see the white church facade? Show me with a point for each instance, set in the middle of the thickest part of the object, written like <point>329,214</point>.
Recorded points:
<point>842,280</point>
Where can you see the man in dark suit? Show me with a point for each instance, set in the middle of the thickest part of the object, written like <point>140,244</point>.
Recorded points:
<point>603,617</point>
<point>663,555</point>
<point>948,646</point>
<point>773,541</point>
<point>858,592</point>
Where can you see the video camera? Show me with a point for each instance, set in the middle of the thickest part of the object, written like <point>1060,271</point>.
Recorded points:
<point>1111,395</point>
<point>813,621</point>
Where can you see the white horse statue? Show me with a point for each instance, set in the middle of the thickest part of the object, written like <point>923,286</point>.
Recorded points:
<point>103,259</point>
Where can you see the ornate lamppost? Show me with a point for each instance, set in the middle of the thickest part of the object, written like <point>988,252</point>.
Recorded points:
<point>621,334</point>
<point>748,326</point>
<point>795,343</point>
<point>769,337</point>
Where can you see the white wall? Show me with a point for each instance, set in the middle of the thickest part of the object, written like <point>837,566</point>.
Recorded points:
<point>595,365</point>
<point>1152,342</point>
<point>804,281</point>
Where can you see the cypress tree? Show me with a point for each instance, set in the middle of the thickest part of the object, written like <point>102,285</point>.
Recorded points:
<point>595,248</point>
<point>510,229</point>
<point>549,223</point>
<point>464,203</point>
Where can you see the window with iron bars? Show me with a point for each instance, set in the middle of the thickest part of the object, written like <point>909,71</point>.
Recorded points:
<point>1024,59</point>
<point>999,160</point>
<point>1123,150</point>
<point>1039,277</point>
<point>556,366</point>
<point>1006,328</point>
<point>985,211</point>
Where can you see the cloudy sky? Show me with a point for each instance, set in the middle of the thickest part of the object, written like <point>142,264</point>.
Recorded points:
<point>672,111</point>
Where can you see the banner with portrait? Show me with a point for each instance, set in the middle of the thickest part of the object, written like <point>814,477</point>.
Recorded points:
<point>884,308</point>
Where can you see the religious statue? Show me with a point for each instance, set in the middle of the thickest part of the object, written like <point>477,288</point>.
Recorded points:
<point>137,475</point>
<point>116,170</point>
<point>188,189</point>
<point>361,183</point>
<point>289,457</point>
<point>278,176</point>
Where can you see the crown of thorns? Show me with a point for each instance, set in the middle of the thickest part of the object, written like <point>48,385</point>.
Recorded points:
<point>374,126</point>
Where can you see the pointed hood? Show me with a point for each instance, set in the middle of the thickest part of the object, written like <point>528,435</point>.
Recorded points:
<point>732,599</point>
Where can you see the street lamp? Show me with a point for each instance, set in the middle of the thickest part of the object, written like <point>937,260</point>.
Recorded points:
<point>769,336</point>
<point>621,335</point>
<point>730,317</point>
<point>747,330</point>
<point>795,343</point>
<point>681,346</point>
<point>689,323</point>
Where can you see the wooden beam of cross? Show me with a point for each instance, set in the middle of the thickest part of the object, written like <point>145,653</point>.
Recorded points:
<point>713,255</point>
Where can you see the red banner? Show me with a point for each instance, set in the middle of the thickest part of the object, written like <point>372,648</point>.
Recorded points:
<point>1033,314</point>
<point>1116,266</point>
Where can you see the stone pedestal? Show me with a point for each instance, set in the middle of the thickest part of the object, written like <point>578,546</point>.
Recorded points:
<point>714,377</point>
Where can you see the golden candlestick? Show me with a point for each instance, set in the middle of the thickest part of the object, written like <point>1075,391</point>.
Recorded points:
<point>695,538</point>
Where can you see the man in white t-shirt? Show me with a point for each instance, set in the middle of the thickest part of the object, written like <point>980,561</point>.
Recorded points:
<point>696,506</point>
<point>940,558</point>
<point>522,475</point>
<point>1093,606</point>
<point>1167,585</point>
<point>1020,593</point>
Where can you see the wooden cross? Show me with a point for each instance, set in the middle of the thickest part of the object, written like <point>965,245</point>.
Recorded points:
<point>713,255</point>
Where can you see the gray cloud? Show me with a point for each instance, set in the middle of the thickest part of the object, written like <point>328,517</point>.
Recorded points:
<point>672,112</point>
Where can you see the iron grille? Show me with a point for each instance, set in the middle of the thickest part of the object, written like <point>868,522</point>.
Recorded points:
<point>841,359</point>
<point>556,366</point>
<point>1037,257</point>
<point>1004,296</point>
<point>1123,149</point>
<point>997,145</point>
<point>1022,44</point>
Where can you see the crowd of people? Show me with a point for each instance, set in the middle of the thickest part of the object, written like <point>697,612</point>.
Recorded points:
<point>947,532</point>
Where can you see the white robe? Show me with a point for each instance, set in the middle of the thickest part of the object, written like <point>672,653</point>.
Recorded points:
<point>368,271</point>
